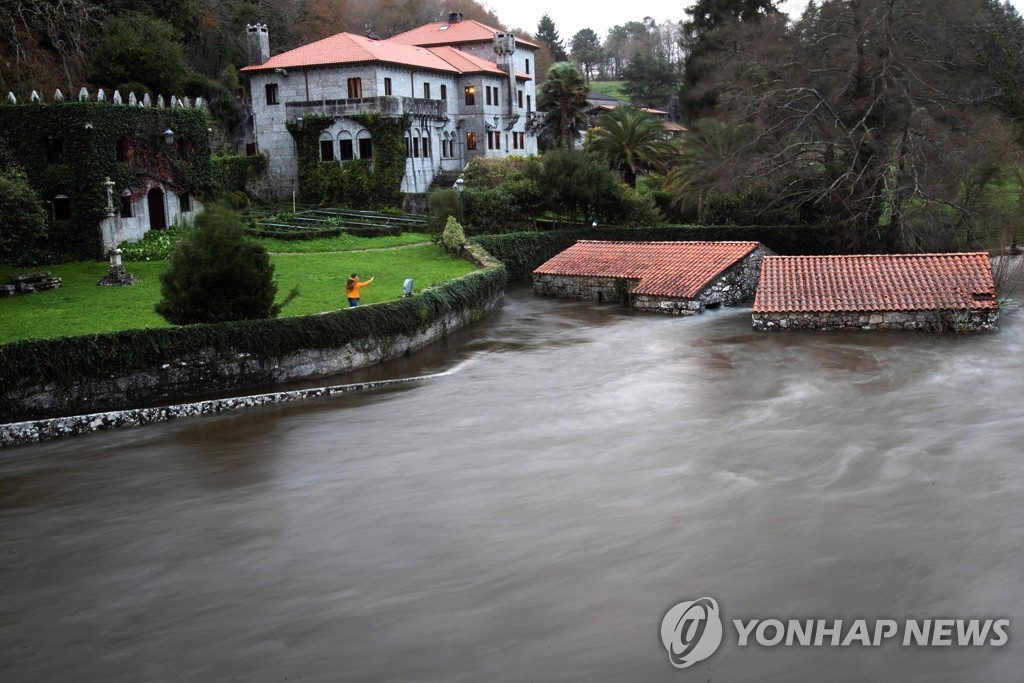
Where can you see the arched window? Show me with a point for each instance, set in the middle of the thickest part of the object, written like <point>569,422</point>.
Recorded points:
<point>345,150</point>
<point>326,147</point>
<point>127,207</point>
<point>365,145</point>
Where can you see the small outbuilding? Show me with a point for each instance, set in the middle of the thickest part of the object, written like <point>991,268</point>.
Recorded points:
<point>940,292</point>
<point>681,278</point>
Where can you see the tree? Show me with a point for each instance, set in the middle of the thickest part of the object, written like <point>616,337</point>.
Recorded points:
<point>22,218</point>
<point>548,35</point>
<point>631,141</point>
<point>586,50</point>
<point>44,43</point>
<point>703,42</point>
<point>709,162</point>
<point>563,99</point>
<point>136,48</point>
<point>217,275</point>
<point>579,185</point>
<point>650,79</point>
<point>871,110</point>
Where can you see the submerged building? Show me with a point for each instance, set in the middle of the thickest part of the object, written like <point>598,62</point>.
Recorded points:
<point>680,278</point>
<point>940,292</point>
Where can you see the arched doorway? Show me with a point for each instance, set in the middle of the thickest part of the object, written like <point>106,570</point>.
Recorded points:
<point>157,215</point>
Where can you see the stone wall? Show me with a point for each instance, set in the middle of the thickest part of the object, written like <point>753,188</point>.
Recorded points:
<point>608,290</point>
<point>932,321</point>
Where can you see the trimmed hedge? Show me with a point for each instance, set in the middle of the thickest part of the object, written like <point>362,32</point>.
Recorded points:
<point>66,360</point>
<point>522,252</point>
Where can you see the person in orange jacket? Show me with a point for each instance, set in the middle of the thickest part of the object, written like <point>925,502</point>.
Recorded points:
<point>352,288</point>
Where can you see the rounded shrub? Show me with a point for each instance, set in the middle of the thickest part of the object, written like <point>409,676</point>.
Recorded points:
<point>22,218</point>
<point>217,275</point>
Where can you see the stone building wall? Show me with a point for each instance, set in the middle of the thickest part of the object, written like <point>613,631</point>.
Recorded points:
<point>932,321</point>
<point>599,289</point>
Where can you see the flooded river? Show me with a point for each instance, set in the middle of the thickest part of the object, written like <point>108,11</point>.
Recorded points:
<point>534,514</point>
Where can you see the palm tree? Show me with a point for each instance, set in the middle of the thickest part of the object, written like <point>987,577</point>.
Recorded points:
<point>708,162</point>
<point>631,141</point>
<point>563,99</point>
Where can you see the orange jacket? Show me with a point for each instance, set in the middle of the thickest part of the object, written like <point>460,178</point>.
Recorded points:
<point>352,288</point>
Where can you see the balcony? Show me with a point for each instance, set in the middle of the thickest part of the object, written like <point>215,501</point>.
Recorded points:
<point>390,107</point>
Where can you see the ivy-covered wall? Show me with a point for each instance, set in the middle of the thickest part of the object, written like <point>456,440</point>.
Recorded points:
<point>355,184</point>
<point>68,148</point>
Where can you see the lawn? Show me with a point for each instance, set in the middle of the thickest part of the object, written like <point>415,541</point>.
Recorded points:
<point>614,89</point>
<point>343,242</point>
<point>80,307</point>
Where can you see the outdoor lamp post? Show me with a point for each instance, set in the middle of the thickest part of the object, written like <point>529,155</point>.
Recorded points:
<point>298,123</point>
<point>116,275</point>
<point>169,136</point>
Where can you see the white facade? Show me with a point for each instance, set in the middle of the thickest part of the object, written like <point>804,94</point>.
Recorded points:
<point>161,207</point>
<point>453,117</point>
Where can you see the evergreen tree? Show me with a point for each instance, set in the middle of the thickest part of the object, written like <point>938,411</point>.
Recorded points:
<point>547,34</point>
<point>650,79</point>
<point>586,50</point>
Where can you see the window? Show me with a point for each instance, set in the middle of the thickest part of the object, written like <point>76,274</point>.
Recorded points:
<point>387,87</point>
<point>520,94</point>
<point>528,110</point>
<point>444,91</point>
<point>497,101</point>
<point>444,148</point>
<point>470,140</point>
<point>426,146</point>
<point>470,95</point>
<point>416,148</point>
<point>487,90</point>
<point>55,150</point>
<point>185,202</point>
<point>123,149</point>
<point>61,208</point>
<point>527,66</point>
<point>345,151</point>
<point>522,139</point>
<point>365,148</point>
<point>355,88</point>
<point>493,139</point>
<point>126,205</point>
<point>426,91</point>
<point>326,150</point>
<point>272,93</point>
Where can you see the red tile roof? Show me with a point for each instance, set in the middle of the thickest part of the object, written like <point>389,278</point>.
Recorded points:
<point>676,269</point>
<point>886,282</point>
<point>348,48</point>
<point>466,63</point>
<point>443,33</point>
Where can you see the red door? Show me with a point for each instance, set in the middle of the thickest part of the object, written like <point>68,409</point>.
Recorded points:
<point>157,215</point>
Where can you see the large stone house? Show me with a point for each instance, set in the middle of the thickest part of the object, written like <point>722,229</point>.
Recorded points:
<point>681,278</point>
<point>937,292</point>
<point>467,89</point>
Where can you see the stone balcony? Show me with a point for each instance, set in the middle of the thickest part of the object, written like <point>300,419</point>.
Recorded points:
<point>390,107</point>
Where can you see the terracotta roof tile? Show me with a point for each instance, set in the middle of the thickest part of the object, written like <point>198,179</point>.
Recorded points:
<point>465,63</point>
<point>677,269</point>
<point>443,33</point>
<point>886,282</point>
<point>348,48</point>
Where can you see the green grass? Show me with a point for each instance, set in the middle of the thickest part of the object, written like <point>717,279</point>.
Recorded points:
<point>614,89</point>
<point>80,307</point>
<point>344,242</point>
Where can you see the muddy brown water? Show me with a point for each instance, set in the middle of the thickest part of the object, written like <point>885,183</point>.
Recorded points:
<point>534,514</point>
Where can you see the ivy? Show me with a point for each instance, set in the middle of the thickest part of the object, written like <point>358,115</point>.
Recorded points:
<point>68,148</point>
<point>356,184</point>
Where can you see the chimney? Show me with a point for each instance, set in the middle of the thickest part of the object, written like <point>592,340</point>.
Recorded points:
<point>454,17</point>
<point>258,40</point>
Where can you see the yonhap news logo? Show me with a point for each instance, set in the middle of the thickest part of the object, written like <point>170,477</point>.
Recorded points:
<point>692,631</point>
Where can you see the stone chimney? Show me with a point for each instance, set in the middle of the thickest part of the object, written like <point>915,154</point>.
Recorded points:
<point>258,39</point>
<point>454,17</point>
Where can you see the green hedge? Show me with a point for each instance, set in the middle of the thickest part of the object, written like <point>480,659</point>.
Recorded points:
<point>522,252</point>
<point>66,360</point>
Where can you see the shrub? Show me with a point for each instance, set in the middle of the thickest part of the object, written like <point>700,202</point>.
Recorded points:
<point>156,245</point>
<point>217,275</point>
<point>453,236</point>
<point>22,218</point>
<point>441,205</point>
<point>637,209</point>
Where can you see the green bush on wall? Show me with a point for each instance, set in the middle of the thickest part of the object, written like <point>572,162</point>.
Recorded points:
<point>356,184</point>
<point>68,148</point>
